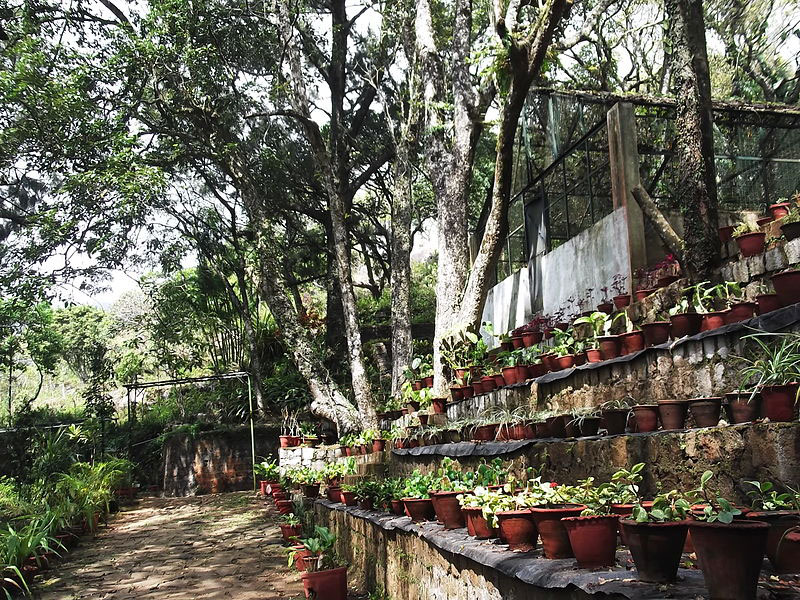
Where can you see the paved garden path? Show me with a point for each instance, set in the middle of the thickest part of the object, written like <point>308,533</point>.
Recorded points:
<point>205,548</point>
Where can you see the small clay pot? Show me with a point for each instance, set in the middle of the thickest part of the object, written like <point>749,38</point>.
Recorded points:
<point>646,417</point>
<point>787,286</point>
<point>589,426</point>
<point>510,375</point>
<point>419,509</point>
<point>615,420</point>
<point>622,301</point>
<point>740,311</point>
<point>751,244</point>
<point>791,231</point>
<point>741,408</point>
<point>566,362</point>
<point>777,401</point>
<point>767,303</point>
<point>713,320</point>
<point>656,548</point>
<point>477,525</point>
<point>541,429</point>
<point>593,355</point>
<point>556,427</point>
<point>398,507</point>
<point>518,529</point>
<point>610,346</point>
<point>348,498</point>
<point>672,413</point>
<point>685,324</point>
<point>705,411</point>
<point>656,333</point>
<point>593,539</point>
<point>555,539</point>
<point>779,210</point>
<point>633,341</point>
<point>571,426</point>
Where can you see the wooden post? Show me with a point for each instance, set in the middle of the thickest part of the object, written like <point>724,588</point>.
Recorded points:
<point>624,166</point>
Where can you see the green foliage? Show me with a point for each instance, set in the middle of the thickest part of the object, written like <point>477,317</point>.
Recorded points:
<point>766,497</point>
<point>267,470</point>
<point>417,485</point>
<point>774,361</point>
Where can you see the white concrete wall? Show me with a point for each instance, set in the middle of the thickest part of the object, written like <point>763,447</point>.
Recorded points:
<point>589,260</point>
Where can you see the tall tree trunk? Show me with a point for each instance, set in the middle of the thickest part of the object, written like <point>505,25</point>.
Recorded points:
<point>526,56</point>
<point>697,188</point>
<point>402,349</point>
<point>334,316</point>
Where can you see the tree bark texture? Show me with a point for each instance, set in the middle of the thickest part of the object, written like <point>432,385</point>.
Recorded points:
<point>402,343</point>
<point>696,190</point>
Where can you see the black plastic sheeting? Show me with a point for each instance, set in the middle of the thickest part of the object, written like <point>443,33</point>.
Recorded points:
<point>531,567</point>
<point>774,321</point>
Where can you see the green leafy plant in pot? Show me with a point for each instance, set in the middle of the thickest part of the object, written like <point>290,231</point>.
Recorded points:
<point>416,497</point>
<point>323,578</point>
<point>730,552</point>
<point>781,510</point>
<point>773,369</point>
<point>593,533</point>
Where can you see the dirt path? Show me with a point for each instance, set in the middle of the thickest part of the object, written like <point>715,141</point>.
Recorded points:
<point>204,548</point>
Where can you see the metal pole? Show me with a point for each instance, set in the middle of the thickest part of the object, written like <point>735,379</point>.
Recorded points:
<point>252,430</point>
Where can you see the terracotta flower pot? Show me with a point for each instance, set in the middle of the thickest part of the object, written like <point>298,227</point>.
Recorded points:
<point>777,401</point>
<point>499,380</point>
<point>685,324</point>
<point>447,509</point>
<point>789,552</point>
<point>380,445</point>
<point>517,342</point>
<point>705,411</point>
<point>556,427</point>
<point>510,375</point>
<point>477,523</point>
<point>590,426</point>
<point>477,387</point>
<point>328,585</point>
<point>646,417</point>
<point>300,556</point>
<point>286,441</point>
<point>419,509</point>
<point>311,490</point>
<point>764,221</point>
<point>488,383</point>
<point>780,210</point>
<point>531,338</point>
<point>712,320</point>
<point>469,392</point>
<point>439,405</point>
<point>418,384</point>
<point>541,430</point>
<point>656,548</point>
<point>348,498</point>
<point>740,311</point>
<point>615,420</point>
<point>262,487</point>
<point>398,507</point>
<point>610,346</point>
<point>726,233</point>
<point>791,231</point>
<point>555,540</point>
<point>284,506</point>
<point>522,373</point>
<point>366,503</point>
<point>290,531</point>
<point>571,426</point>
<point>779,521</point>
<point>642,294</point>
<point>741,409</point>
<point>580,359</point>
<point>656,333</point>
<point>622,301</point>
<point>536,370</point>
<point>518,529</point>
<point>672,413</point>
<point>767,303</point>
<point>594,355</point>
<point>428,381</point>
<point>566,362</point>
<point>730,556</point>
<point>457,393</point>
<point>632,341</point>
<point>751,244</point>
<point>605,307</point>
<point>787,286</point>
<point>485,433</point>
<point>593,539</point>
<point>550,362</point>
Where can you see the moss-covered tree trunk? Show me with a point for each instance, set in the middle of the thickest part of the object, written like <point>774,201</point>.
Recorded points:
<point>696,189</point>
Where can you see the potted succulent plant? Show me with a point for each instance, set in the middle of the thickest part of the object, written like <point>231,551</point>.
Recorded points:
<point>782,512</point>
<point>322,577</point>
<point>730,552</point>
<point>750,239</point>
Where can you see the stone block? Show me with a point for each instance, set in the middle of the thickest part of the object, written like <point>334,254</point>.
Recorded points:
<point>775,259</point>
<point>793,252</point>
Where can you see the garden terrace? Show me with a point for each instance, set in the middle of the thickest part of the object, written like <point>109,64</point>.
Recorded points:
<point>423,561</point>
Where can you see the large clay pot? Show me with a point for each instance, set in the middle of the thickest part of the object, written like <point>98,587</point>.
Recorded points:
<point>555,540</point>
<point>780,521</point>
<point>789,551</point>
<point>787,286</point>
<point>656,548</point>
<point>518,529</point>
<point>593,539</point>
<point>685,324</point>
<point>447,509</point>
<point>419,509</point>
<point>730,556</point>
<point>672,413</point>
<point>741,408</point>
<point>615,420</point>
<point>777,401</point>
<point>610,346</point>
<point>326,585</point>
<point>705,411</point>
<point>477,523</point>
<point>656,333</point>
<point>751,244</point>
<point>646,417</point>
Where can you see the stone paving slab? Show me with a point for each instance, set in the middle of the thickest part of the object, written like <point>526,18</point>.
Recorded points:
<point>204,548</point>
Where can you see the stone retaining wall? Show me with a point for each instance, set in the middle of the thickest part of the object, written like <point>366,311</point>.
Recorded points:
<point>315,458</point>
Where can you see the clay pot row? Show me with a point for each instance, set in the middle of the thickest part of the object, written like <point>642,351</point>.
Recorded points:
<point>378,445</point>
